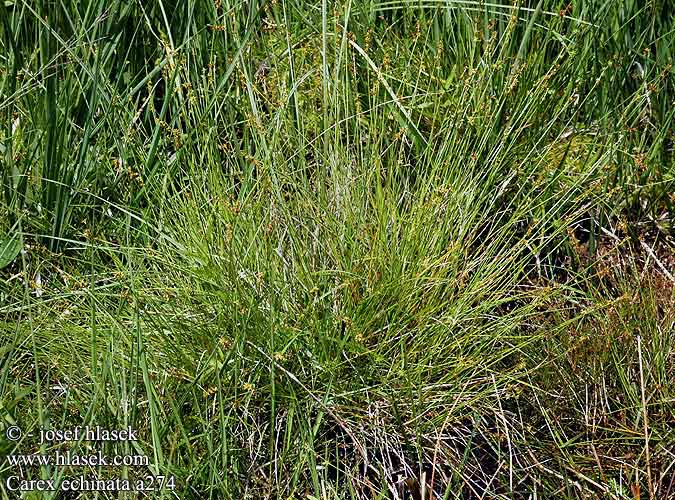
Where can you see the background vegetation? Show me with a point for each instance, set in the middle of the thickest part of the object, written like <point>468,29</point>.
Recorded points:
<point>375,249</point>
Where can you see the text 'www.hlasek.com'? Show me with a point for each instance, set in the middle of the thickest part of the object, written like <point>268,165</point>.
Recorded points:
<point>82,458</point>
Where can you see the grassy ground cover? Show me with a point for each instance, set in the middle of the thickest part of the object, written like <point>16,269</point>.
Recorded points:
<point>319,250</point>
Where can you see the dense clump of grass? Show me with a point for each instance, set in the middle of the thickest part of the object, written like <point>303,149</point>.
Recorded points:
<point>362,250</point>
